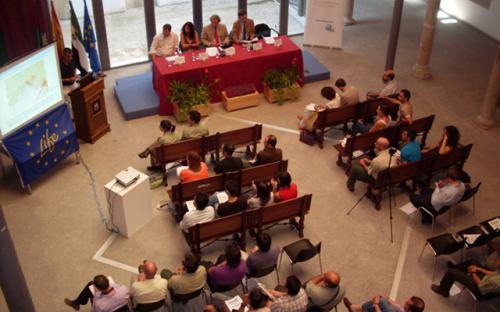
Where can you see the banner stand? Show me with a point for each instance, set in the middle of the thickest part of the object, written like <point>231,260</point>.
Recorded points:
<point>324,23</point>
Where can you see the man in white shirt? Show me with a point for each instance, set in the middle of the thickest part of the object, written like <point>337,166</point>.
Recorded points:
<point>202,213</point>
<point>149,289</point>
<point>448,191</point>
<point>164,44</point>
<point>391,86</point>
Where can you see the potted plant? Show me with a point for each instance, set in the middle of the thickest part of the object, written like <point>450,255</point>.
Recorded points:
<point>188,95</point>
<point>281,84</point>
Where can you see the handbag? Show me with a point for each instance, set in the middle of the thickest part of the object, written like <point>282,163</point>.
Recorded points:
<point>308,137</point>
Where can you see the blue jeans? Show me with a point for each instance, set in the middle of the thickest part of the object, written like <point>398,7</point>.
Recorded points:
<point>213,201</point>
<point>384,305</point>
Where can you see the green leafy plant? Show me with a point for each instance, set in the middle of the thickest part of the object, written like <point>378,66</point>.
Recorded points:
<point>281,79</point>
<point>187,94</point>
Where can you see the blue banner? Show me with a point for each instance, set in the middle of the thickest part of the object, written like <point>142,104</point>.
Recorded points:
<point>39,146</point>
<point>89,40</point>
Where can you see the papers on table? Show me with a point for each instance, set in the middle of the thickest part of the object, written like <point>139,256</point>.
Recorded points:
<point>255,39</point>
<point>257,46</point>
<point>221,197</point>
<point>190,205</point>
<point>495,224</point>
<point>212,51</point>
<point>408,208</point>
<point>171,59</point>
<point>269,40</point>
<point>471,238</point>
<point>180,168</point>
<point>234,303</point>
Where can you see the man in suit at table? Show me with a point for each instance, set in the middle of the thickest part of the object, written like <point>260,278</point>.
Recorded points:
<point>215,34</point>
<point>243,28</point>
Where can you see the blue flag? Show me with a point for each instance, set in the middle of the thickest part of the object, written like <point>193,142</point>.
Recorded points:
<point>39,146</point>
<point>89,40</point>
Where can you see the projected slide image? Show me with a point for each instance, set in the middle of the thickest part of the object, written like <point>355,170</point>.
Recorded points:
<point>28,88</point>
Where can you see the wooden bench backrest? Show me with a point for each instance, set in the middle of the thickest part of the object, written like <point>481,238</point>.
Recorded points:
<point>286,209</point>
<point>420,126</point>
<point>176,151</point>
<point>456,156</point>
<point>336,116</point>
<point>216,228</point>
<point>263,172</point>
<point>186,191</point>
<point>398,174</point>
<point>240,136</point>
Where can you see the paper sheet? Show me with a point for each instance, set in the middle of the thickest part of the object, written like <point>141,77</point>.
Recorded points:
<point>495,224</point>
<point>212,51</point>
<point>356,154</point>
<point>180,168</point>
<point>269,40</point>
<point>311,107</point>
<point>408,208</point>
<point>234,303</point>
<point>190,205</point>
<point>471,238</point>
<point>171,59</point>
<point>455,290</point>
<point>221,197</point>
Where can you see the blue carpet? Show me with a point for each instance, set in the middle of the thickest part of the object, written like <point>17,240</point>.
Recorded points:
<point>313,69</point>
<point>137,98</point>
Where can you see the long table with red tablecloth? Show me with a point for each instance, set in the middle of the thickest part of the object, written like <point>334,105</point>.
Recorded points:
<point>242,68</point>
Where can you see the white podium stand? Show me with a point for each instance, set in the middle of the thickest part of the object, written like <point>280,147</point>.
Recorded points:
<point>132,206</point>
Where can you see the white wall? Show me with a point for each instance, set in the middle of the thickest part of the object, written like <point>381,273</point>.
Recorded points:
<point>486,20</point>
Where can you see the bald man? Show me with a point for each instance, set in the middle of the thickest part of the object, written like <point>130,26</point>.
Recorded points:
<point>367,170</point>
<point>325,291</point>
<point>391,86</point>
<point>150,289</point>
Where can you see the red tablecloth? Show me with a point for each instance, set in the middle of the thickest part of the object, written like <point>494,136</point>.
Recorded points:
<point>244,67</point>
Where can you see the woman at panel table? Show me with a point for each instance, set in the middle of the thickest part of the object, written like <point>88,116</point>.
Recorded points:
<point>189,37</point>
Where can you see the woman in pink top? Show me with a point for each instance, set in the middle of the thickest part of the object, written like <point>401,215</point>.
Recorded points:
<point>197,169</point>
<point>283,188</point>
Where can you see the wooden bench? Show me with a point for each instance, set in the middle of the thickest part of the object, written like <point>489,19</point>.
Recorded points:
<point>182,192</point>
<point>423,169</point>
<point>338,116</point>
<point>219,228</point>
<point>167,153</point>
<point>366,141</point>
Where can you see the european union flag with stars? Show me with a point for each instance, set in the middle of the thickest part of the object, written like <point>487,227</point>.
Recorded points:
<point>39,146</point>
<point>89,40</point>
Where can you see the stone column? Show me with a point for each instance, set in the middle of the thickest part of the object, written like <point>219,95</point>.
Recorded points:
<point>349,10</point>
<point>492,96</point>
<point>421,69</point>
<point>392,46</point>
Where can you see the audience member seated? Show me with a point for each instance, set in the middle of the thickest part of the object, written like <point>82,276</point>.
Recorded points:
<point>307,120</point>
<point>229,269</point>
<point>447,192</point>
<point>482,282</point>
<point>283,188</point>
<point>187,279</point>
<point>164,44</point>
<point>263,196</point>
<point>270,153</point>
<point>229,163</point>
<point>410,152</point>
<point>169,136</point>
<point>258,301</point>
<point>382,304</point>
<point>367,170</point>
<point>243,28</point>
<point>196,170</point>
<point>449,140</point>
<point>189,37</point>
<point>290,298</point>
<point>202,213</point>
<point>405,107</point>
<point>349,95</point>
<point>390,88</point>
<point>105,297</point>
<point>235,203</point>
<point>382,121</point>
<point>262,256</point>
<point>324,291</point>
<point>195,129</point>
<point>150,290</point>
<point>215,34</point>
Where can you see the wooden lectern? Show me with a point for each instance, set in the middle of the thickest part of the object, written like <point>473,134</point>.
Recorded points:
<point>89,111</point>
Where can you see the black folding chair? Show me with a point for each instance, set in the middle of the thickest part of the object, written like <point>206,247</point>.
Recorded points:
<point>301,251</point>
